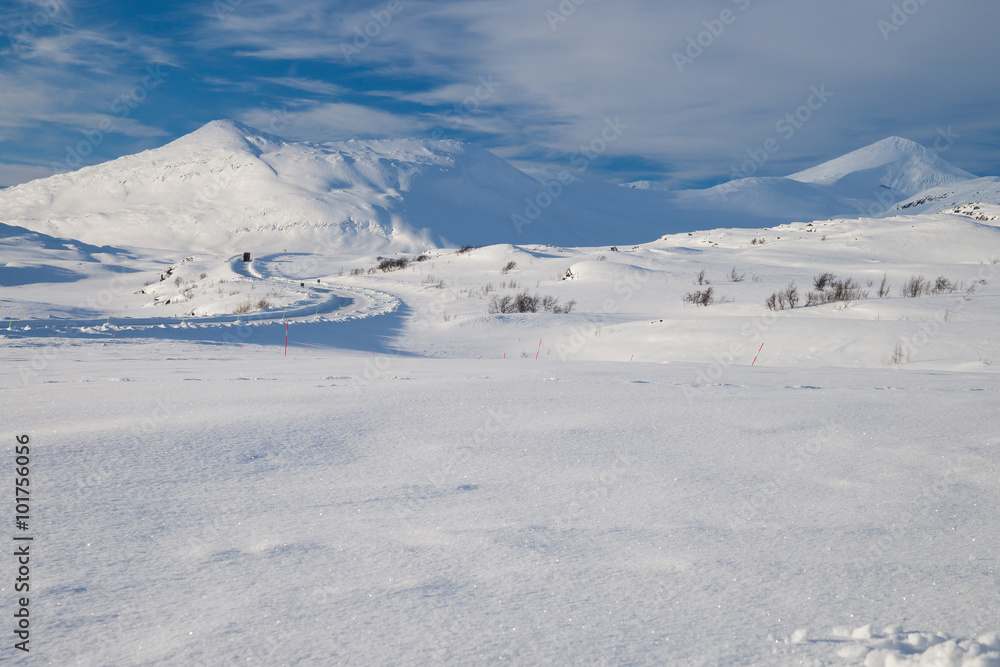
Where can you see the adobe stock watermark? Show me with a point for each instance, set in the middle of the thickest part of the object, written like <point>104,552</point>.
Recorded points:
<point>445,472</point>
<point>749,508</point>
<point>562,13</point>
<point>209,192</point>
<point>586,499</point>
<point>926,503</point>
<point>581,161</point>
<point>908,346</point>
<point>625,287</point>
<point>371,30</point>
<point>122,108</point>
<point>224,7</point>
<point>882,198</point>
<point>787,127</point>
<point>31,25</point>
<point>901,15</point>
<point>752,332</point>
<point>462,111</point>
<point>702,41</point>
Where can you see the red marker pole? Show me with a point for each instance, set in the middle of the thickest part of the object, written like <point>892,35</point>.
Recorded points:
<point>539,349</point>
<point>758,354</point>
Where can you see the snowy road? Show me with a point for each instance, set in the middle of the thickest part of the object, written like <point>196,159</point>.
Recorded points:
<point>325,303</point>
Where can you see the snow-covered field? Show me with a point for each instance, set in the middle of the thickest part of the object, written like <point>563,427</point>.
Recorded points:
<point>305,459</point>
<point>206,504</point>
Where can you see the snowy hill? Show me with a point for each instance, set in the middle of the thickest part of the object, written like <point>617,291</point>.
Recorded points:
<point>896,164</point>
<point>866,181</point>
<point>982,192</point>
<point>228,187</point>
<point>611,474</point>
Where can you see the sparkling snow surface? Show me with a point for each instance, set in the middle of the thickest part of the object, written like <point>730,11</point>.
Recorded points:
<point>307,460</point>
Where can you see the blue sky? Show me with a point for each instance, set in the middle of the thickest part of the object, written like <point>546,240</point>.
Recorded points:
<point>696,87</point>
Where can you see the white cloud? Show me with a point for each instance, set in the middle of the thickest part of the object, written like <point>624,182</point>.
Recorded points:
<point>308,85</point>
<point>308,120</point>
<point>608,59</point>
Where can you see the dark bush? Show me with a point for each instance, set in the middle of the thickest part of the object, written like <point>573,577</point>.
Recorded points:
<point>525,302</point>
<point>822,280</point>
<point>701,297</point>
<point>786,298</point>
<point>393,264</point>
<point>845,290</point>
<point>915,286</point>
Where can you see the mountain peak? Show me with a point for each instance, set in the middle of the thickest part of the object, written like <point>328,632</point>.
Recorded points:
<point>894,163</point>
<point>227,134</point>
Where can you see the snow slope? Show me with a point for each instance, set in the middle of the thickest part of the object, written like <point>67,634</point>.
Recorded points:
<point>412,479</point>
<point>376,467</point>
<point>228,187</point>
<point>867,181</point>
<point>980,191</point>
<point>900,165</point>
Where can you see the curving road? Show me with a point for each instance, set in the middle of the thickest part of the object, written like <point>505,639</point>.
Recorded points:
<point>326,303</point>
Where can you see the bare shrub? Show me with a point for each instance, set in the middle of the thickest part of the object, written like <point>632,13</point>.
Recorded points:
<point>786,298</point>
<point>392,264</point>
<point>263,304</point>
<point>845,290</point>
<point>942,284</point>
<point>791,295</point>
<point>822,280</point>
<point>466,248</point>
<point>204,275</point>
<point>915,286</point>
<point>244,307</point>
<point>501,304</point>
<point>700,278</point>
<point>525,302</point>
<point>734,276</point>
<point>508,267</point>
<point>883,288</point>
<point>898,356</point>
<point>701,297</point>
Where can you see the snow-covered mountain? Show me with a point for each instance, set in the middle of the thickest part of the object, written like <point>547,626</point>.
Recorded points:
<point>896,164</point>
<point>228,187</point>
<point>867,181</point>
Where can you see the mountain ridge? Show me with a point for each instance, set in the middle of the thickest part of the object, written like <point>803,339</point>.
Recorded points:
<point>227,187</point>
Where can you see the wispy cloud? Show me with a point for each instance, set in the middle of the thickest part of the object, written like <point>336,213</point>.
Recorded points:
<point>304,119</point>
<point>699,83</point>
<point>753,62</point>
<point>308,85</point>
